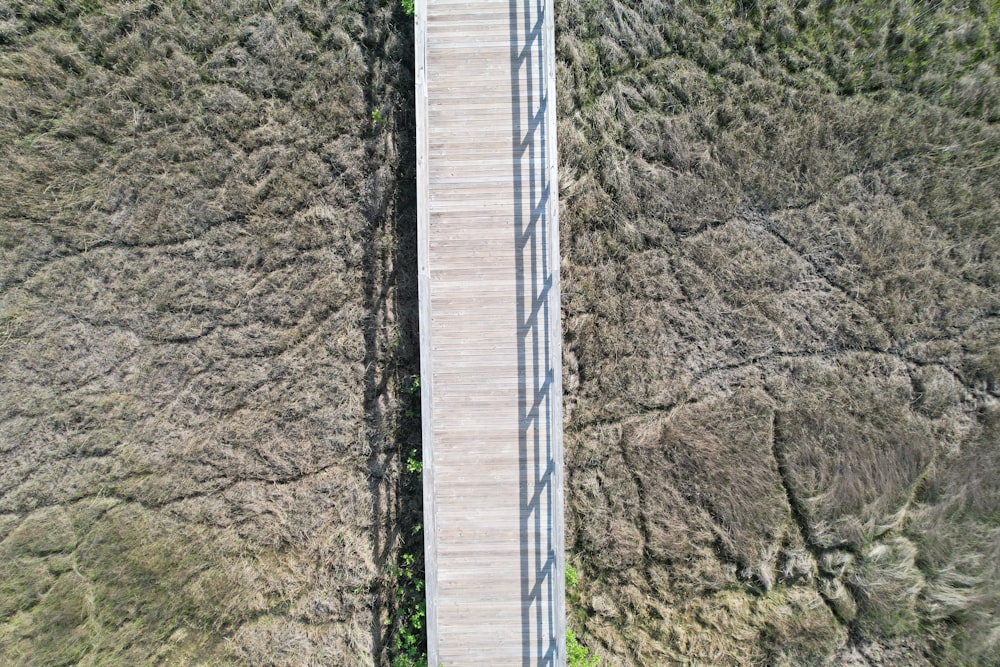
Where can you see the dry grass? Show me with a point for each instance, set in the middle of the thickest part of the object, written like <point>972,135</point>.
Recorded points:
<point>850,448</point>
<point>955,529</point>
<point>201,331</point>
<point>886,584</point>
<point>718,454</point>
<point>780,296</point>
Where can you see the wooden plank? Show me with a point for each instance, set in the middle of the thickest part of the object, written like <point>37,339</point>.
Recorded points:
<point>487,210</point>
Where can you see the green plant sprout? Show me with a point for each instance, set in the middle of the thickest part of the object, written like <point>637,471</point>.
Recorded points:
<point>414,391</point>
<point>572,578</point>
<point>413,464</point>
<point>577,655</point>
<point>412,614</point>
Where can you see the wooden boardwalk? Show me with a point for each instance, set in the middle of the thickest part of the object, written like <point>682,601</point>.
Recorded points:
<point>489,332</point>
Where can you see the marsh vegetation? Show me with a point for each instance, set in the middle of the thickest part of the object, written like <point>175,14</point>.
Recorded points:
<point>781,290</point>
<point>780,307</point>
<point>204,241</point>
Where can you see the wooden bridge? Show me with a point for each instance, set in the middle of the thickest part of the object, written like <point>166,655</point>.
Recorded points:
<point>489,332</point>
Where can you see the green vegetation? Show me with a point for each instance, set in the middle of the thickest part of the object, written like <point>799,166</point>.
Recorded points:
<point>413,464</point>
<point>413,410</point>
<point>408,646</point>
<point>407,7</point>
<point>577,655</point>
<point>572,578</point>
<point>411,637</point>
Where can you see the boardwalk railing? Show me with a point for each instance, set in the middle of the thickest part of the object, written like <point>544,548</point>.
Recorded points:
<point>490,332</point>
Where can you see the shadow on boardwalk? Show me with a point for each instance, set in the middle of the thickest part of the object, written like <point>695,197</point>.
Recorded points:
<point>538,389</point>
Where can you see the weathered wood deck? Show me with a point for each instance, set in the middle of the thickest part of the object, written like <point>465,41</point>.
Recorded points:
<point>490,332</point>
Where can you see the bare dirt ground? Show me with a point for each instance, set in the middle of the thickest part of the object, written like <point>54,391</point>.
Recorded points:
<point>780,304</point>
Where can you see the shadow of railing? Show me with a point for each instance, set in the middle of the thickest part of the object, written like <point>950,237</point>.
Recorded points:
<point>541,585</point>
<point>391,334</point>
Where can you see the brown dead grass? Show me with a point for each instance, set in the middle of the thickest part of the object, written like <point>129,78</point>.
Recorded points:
<point>780,295</point>
<point>200,331</point>
<point>850,448</point>
<point>780,299</point>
